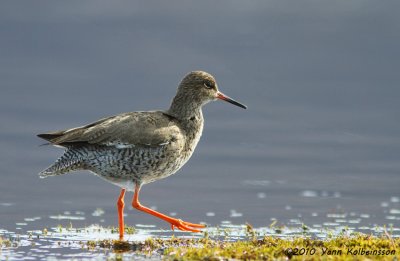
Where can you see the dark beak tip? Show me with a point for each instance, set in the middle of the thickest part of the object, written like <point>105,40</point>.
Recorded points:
<point>238,104</point>
<point>241,105</point>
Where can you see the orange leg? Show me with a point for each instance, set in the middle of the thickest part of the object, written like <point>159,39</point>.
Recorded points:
<point>178,223</point>
<point>120,206</point>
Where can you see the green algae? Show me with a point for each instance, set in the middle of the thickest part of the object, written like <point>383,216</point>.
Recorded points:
<point>236,242</point>
<point>5,243</point>
<point>253,246</point>
<point>340,248</point>
<point>357,247</point>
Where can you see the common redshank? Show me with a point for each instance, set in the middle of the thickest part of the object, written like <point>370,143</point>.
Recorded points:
<point>135,148</point>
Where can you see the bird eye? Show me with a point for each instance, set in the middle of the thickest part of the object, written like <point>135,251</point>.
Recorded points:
<point>208,85</point>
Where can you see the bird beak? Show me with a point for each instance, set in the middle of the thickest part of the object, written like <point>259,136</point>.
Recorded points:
<point>223,97</point>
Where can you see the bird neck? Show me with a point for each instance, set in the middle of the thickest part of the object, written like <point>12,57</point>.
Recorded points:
<point>190,117</point>
<point>184,108</point>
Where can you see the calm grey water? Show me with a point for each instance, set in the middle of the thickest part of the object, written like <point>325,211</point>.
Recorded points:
<point>319,144</point>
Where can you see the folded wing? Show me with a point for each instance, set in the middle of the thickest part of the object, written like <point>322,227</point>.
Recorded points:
<point>124,130</point>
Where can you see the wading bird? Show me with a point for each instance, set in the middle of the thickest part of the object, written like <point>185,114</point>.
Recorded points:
<point>135,148</point>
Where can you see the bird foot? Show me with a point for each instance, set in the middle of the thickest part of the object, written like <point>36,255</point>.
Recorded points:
<point>185,226</point>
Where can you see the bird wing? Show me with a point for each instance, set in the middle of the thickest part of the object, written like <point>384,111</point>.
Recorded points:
<point>124,130</point>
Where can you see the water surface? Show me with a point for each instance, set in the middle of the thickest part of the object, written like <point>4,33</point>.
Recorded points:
<point>318,145</point>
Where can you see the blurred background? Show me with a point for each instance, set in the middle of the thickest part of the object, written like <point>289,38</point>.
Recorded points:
<point>319,143</point>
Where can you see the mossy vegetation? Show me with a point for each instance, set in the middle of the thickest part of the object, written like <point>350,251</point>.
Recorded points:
<point>240,243</point>
<point>5,243</point>
<point>129,230</point>
<point>267,248</point>
<point>343,247</point>
<point>357,247</point>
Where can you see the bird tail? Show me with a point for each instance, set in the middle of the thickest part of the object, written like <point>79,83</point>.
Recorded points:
<point>69,161</point>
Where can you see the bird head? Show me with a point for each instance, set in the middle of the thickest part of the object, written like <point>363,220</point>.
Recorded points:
<point>200,88</point>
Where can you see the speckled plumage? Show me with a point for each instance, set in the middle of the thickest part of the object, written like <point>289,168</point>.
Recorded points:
<point>138,147</point>
<point>123,162</point>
